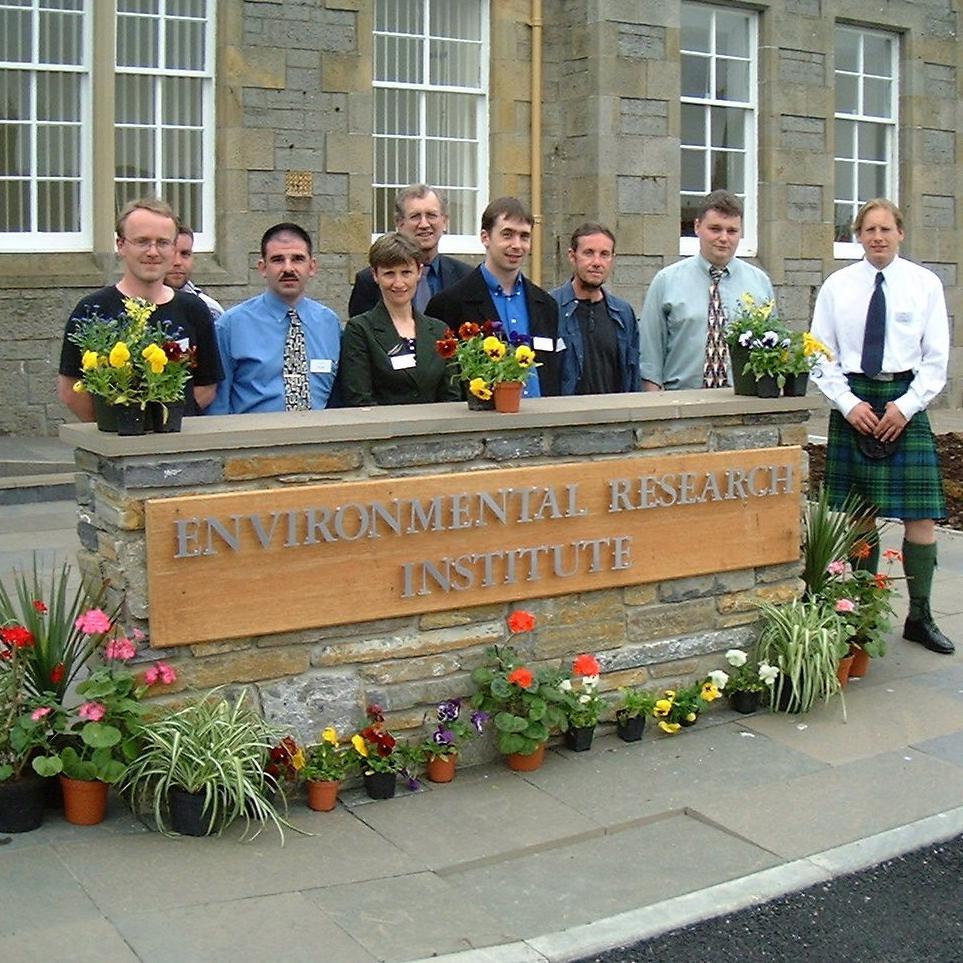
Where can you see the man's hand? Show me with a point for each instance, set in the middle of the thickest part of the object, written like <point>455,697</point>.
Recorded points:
<point>863,418</point>
<point>891,425</point>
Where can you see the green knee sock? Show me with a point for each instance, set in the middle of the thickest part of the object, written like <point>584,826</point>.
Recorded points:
<point>919,563</point>
<point>871,562</point>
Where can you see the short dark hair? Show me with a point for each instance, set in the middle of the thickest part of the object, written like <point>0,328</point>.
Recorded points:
<point>416,192</point>
<point>722,201</point>
<point>877,203</point>
<point>586,230</point>
<point>286,227</point>
<point>153,204</point>
<point>508,207</point>
<point>184,229</point>
<point>393,249</point>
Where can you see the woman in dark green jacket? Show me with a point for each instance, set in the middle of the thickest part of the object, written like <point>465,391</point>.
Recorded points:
<point>388,354</point>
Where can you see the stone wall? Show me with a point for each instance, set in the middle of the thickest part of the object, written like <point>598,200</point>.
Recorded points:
<point>656,634</point>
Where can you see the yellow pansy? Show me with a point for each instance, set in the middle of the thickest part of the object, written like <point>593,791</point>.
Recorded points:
<point>89,360</point>
<point>330,736</point>
<point>154,355</point>
<point>524,355</point>
<point>494,348</point>
<point>663,707</point>
<point>748,300</point>
<point>119,355</point>
<point>479,387</point>
<point>669,727</point>
<point>691,717</point>
<point>297,760</point>
<point>360,746</point>
<point>79,387</point>
<point>813,345</point>
<point>766,310</point>
<point>710,692</point>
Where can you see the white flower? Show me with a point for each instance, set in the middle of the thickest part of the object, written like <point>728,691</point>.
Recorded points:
<point>590,681</point>
<point>719,677</point>
<point>583,698</point>
<point>565,685</point>
<point>768,673</point>
<point>736,658</point>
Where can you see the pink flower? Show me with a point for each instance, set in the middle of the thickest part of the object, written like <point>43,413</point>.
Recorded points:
<point>845,605</point>
<point>120,649</point>
<point>162,673</point>
<point>138,635</point>
<point>836,568</point>
<point>93,622</point>
<point>92,711</point>
<point>40,713</point>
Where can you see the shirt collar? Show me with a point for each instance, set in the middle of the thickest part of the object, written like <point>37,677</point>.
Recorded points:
<point>278,308</point>
<point>495,287</point>
<point>706,265</point>
<point>875,270</point>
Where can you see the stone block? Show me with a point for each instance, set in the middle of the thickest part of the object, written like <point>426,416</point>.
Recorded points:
<point>309,703</point>
<point>939,146</point>
<point>205,649</point>
<point>940,80</point>
<point>591,441</point>
<point>582,609</point>
<point>453,617</point>
<point>254,66</point>
<point>644,194</point>
<point>641,594</point>
<point>803,271</point>
<point>807,67</point>
<point>427,452</point>
<point>118,510</point>
<point>250,665</point>
<point>653,654</point>
<point>647,118</point>
<point>778,593</point>
<point>567,641</point>
<point>674,674</point>
<point>641,41</point>
<point>741,439</point>
<point>793,435</point>
<point>802,133</point>
<point>804,8</point>
<point>420,692</point>
<point>304,462</point>
<point>425,667</point>
<point>627,678</point>
<point>702,586</point>
<point>163,474</point>
<point>88,536</point>
<point>655,435</point>
<point>518,445</point>
<point>671,619</point>
<point>939,210</point>
<point>804,203</point>
<point>778,573</point>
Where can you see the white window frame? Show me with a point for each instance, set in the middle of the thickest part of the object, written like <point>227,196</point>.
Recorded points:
<point>204,238</point>
<point>853,250</point>
<point>56,241</point>
<point>748,242</point>
<point>450,243</point>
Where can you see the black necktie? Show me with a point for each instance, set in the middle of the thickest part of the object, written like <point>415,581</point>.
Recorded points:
<point>872,361</point>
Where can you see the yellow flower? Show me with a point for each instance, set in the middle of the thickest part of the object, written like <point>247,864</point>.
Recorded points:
<point>119,355</point>
<point>297,760</point>
<point>139,310</point>
<point>663,707</point>
<point>480,389</point>
<point>79,387</point>
<point>330,736</point>
<point>360,746</point>
<point>691,717</point>
<point>669,727</point>
<point>89,360</point>
<point>494,348</point>
<point>670,693</point>
<point>813,345</point>
<point>154,355</point>
<point>766,310</point>
<point>524,355</point>
<point>748,300</point>
<point>710,692</point>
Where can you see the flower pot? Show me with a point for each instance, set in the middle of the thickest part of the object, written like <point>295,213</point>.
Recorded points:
<point>85,800</point>
<point>380,785</point>
<point>441,768</point>
<point>105,414</point>
<point>323,794</point>
<point>528,762</point>
<point>508,396</point>
<point>166,416</point>
<point>860,665</point>
<point>21,804</point>
<point>767,386</point>
<point>745,702</point>
<point>843,670</point>
<point>796,385</point>
<point>579,738</point>
<point>479,404</point>
<point>131,419</point>
<point>187,813</point>
<point>631,729</point>
<point>685,723</point>
<point>742,384</point>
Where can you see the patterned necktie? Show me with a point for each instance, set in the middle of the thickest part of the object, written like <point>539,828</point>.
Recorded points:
<point>714,373</point>
<point>423,291</point>
<point>875,334</point>
<point>297,394</point>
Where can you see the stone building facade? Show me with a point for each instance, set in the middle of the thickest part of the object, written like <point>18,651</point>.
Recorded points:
<point>602,138</point>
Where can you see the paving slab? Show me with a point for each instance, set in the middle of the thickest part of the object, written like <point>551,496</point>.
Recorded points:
<point>905,660</point>
<point>838,804</point>
<point>617,782</point>
<point>880,718</point>
<point>284,927</point>
<point>949,748</point>
<point>946,677</point>
<point>56,829</point>
<point>414,916</point>
<point>80,941</point>
<point>551,890</point>
<point>421,824</point>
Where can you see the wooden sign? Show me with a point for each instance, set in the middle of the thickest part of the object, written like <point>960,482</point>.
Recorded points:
<point>247,563</point>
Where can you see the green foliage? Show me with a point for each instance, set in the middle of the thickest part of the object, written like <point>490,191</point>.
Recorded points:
<point>634,702</point>
<point>828,536</point>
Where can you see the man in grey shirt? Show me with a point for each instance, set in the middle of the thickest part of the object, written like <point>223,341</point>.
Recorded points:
<point>675,321</point>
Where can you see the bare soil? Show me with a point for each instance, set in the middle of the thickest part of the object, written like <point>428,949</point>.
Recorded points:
<point>951,462</point>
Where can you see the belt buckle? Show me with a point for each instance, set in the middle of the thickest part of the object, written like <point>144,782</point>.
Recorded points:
<point>883,376</point>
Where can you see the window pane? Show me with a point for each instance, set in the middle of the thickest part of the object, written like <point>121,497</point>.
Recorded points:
<point>873,142</point>
<point>135,153</point>
<point>182,153</point>
<point>451,164</point>
<point>847,50</point>
<point>125,191</point>
<point>384,206</point>
<point>455,18</point>
<point>728,171</point>
<point>690,204</point>
<point>398,59</point>
<point>695,28</point>
<point>58,206</point>
<point>184,44</point>
<point>187,8</point>
<point>732,80</point>
<point>396,111</point>
<point>138,6</point>
<point>137,40</point>
<point>872,181</point>
<point>58,151</point>
<point>454,64</point>
<point>845,138</point>
<point>451,115</point>
<point>728,127</point>
<point>732,34</point>
<point>15,36</point>
<point>461,211</point>
<point>61,38</point>
<point>877,55</point>
<point>183,101</point>
<point>14,206</point>
<point>876,97</point>
<point>843,223</point>
<point>847,101</point>
<point>693,124</point>
<point>14,150</point>
<point>845,180</point>
<point>693,170</point>
<point>134,99</point>
<point>695,76</point>
<point>186,201</point>
<point>396,160</point>
<point>399,16</point>
<point>14,95</point>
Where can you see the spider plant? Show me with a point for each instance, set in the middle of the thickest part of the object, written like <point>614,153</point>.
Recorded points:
<point>829,535</point>
<point>213,747</point>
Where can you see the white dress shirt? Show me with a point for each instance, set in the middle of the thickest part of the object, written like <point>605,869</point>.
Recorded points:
<point>917,331</point>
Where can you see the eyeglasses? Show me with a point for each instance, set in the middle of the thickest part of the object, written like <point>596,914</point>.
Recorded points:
<point>430,216</point>
<point>162,244</point>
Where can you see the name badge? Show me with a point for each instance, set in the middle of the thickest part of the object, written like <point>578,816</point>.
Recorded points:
<point>903,317</point>
<point>543,344</point>
<point>560,345</point>
<point>321,366</point>
<point>401,361</point>
<point>184,344</point>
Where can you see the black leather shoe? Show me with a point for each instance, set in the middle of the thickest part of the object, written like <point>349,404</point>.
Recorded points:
<point>927,634</point>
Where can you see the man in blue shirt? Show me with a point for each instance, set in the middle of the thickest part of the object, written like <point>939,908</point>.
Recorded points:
<point>675,325</point>
<point>280,350</point>
<point>600,331</point>
<point>497,290</point>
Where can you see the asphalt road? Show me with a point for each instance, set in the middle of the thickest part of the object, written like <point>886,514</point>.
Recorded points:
<point>906,910</point>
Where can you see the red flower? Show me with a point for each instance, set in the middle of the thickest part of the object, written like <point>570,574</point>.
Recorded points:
<point>39,606</point>
<point>487,328</point>
<point>57,673</point>
<point>385,743</point>
<point>586,664</point>
<point>375,712</point>
<point>892,555</point>
<point>447,347</point>
<point>469,330</point>
<point>521,621</point>
<point>881,580</point>
<point>17,636</point>
<point>521,677</point>
<point>860,550</point>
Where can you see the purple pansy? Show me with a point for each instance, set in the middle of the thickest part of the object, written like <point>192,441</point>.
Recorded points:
<point>515,339</point>
<point>479,719</point>
<point>443,737</point>
<point>449,710</point>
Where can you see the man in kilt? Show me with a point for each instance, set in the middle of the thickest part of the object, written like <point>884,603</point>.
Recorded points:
<point>884,320</point>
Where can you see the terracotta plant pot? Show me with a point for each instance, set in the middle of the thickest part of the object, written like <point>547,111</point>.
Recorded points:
<point>519,763</point>
<point>322,794</point>
<point>85,800</point>
<point>508,397</point>
<point>860,665</point>
<point>21,804</point>
<point>843,670</point>
<point>441,768</point>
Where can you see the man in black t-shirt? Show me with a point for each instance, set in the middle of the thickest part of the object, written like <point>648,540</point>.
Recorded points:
<point>146,232</point>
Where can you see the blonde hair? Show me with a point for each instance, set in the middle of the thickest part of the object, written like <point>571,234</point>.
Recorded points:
<point>877,203</point>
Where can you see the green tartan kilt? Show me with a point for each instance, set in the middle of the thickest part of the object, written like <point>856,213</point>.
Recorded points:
<point>908,484</point>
